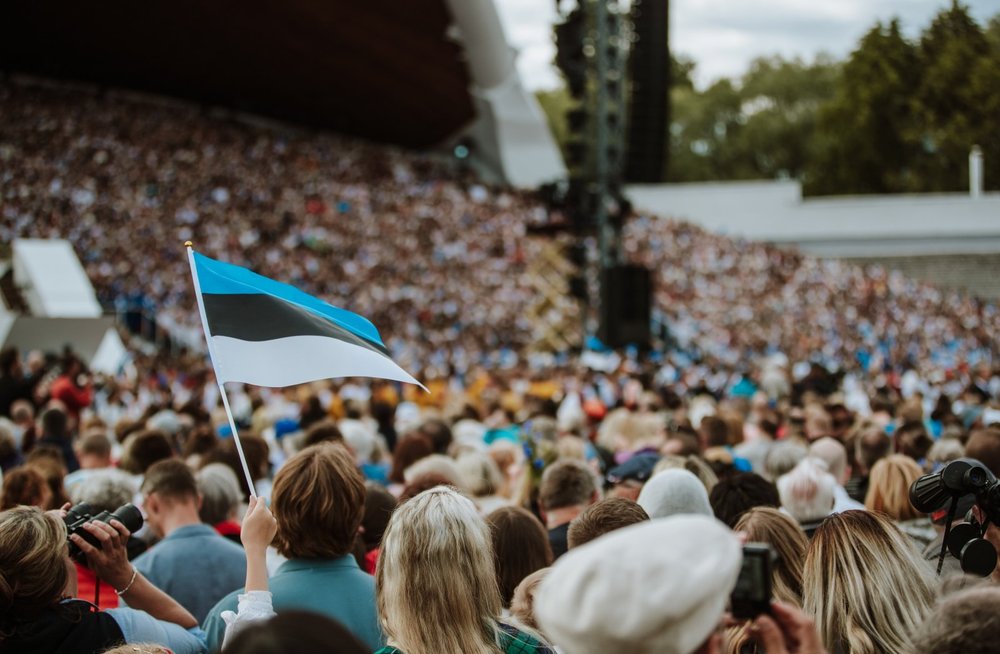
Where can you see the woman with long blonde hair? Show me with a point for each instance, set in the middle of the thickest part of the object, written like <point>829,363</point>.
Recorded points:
<point>436,583</point>
<point>865,584</point>
<point>889,493</point>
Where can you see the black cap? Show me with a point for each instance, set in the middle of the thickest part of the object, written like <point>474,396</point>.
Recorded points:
<point>638,468</point>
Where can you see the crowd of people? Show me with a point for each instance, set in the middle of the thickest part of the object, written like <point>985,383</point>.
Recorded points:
<point>508,523</point>
<point>573,504</point>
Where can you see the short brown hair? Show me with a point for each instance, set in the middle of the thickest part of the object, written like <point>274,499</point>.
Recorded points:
<point>984,446</point>
<point>318,501</point>
<point>96,443</point>
<point>24,485</point>
<point>566,483</point>
<point>520,547</point>
<point>171,478</point>
<point>965,623</point>
<point>144,449</point>
<point>602,517</point>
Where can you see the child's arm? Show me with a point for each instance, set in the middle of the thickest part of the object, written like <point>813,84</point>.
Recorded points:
<point>255,603</point>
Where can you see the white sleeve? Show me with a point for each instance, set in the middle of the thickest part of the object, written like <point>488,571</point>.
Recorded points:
<point>254,606</point>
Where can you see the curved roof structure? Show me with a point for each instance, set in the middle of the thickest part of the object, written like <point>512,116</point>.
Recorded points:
<point>378,69</point>
<point>418,73</point>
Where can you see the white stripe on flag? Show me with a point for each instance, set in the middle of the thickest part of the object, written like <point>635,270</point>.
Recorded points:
<point>298,360</point>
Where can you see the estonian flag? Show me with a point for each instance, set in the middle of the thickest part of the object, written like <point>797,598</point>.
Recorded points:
<point>266,333</point>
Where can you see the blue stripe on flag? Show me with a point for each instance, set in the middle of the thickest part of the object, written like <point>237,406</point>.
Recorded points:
<point>219,277</point>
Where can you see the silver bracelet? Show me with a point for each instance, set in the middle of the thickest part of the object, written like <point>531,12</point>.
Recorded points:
<point>131,581</point>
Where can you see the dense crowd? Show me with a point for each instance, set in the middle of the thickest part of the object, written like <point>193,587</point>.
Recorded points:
<point>592,505</point>
<point>517,524</point>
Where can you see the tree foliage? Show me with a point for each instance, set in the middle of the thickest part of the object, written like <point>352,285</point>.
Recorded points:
<point>899,115</point>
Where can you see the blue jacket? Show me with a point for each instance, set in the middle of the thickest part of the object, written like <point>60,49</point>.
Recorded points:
<point>336,588</point>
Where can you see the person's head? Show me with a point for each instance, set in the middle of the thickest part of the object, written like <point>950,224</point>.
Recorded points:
<point>322,432</point>
<point>379,505</point>
<point>138,648</point>
<point>603,517</point>
<point>520,546</point>
<point>567,484</point>
<point>435,581</point>
<point>33,572</point>
<point>49,461</point>
<point>693,464</point>
<point>439,433</point>
<point>944,451</point>
<point>480,474</point>
<point>818,423</point>
<point>807,492</point>
<point>713,432</point>
<point>25,485</point>
<point>984,446</point>
<point>221,494</point>
<point>255,449</point>
<point>889,487</point>
<point>965,623</point>
<point>871,445</point>
<point>674,491</point>
<point>301,632</point>
<point>423,483</point>
<point>105,490</point>
<point>438,464</point>
<point>170,496</point>
<point>737,494</point>
<point>318,501</point>
<point>412,447</point>
<point>522,607</point>
<point>870,598</point>
<point>638,589</point>
<point>782,457</point>
<point>144,449</point>
<point>55,423</point>
<point>833,453</point>
<point>94,451</point>
<point>767,525</point>
<point>912,440</point>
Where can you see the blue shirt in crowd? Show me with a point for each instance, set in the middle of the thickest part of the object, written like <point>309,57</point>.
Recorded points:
<point>196,566</point>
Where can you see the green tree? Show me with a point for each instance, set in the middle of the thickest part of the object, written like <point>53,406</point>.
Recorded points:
<point>861,141</point>
<point>952,99</point>
<point>757,128</point>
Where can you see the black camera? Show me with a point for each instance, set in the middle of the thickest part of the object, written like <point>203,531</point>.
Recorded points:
<point>752,594</point>
<point>82,513</point>
<point>959,478</point>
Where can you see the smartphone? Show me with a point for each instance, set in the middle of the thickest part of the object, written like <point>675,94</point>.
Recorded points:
<point>752,594</point>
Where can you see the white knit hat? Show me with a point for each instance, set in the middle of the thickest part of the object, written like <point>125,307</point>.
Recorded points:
<point>673,492</point>
<point>658,587</point>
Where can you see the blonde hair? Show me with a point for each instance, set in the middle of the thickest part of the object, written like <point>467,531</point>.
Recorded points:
<point>436,585</point>
<point>693,464</point>
<point>889,487</point>
<point>865,584</point>
<point>33,572</point>
<point>767,525</point>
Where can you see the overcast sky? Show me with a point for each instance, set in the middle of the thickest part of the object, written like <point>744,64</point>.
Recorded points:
<point>723,36</point>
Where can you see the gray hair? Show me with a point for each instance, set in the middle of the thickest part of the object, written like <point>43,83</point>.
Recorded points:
<point>220,493</point>
<point>105,490</point>
<point>783,456</point>
<point>480,474</point>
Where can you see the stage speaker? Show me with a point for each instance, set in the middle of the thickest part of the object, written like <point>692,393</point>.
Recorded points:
<point>649,115</point>
<point>626,300</point>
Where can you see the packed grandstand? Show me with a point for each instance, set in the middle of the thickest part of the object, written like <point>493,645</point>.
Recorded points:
<point>435,258</point>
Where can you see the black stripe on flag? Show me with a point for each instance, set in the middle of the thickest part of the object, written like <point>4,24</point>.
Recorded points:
<point>260,317</point>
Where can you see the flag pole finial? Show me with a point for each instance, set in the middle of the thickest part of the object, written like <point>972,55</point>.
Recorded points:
<point>188,244</point>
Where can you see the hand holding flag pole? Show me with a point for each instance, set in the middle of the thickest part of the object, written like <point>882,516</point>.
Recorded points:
<point>263,332</point>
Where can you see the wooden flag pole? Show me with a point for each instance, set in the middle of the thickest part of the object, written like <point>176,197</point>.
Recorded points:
<point>215,370</point>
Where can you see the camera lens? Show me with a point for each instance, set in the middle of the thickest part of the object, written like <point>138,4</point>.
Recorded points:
<point>976,477</point>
